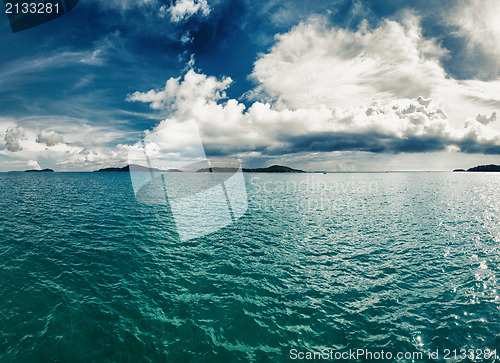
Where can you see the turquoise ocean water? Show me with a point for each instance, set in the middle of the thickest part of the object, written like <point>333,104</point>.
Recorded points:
<point>400,262</point>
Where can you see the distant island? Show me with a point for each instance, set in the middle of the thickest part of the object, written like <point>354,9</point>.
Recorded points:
<point>490,167</point>
<point>481,168</point>
<point>39,171</point>
<point>137,168</point>
<point>270,169</point>
<point>274,169</point>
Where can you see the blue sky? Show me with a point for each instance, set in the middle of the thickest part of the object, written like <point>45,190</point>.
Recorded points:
<point>320,85</point>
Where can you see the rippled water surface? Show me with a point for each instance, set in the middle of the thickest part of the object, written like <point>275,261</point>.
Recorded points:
<point>400,261</point>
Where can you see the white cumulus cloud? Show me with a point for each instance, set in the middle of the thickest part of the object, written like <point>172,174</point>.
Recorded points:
<point>393,126</point>
<point>314,64</point>
<point>33,164</point>
<point>81,147</point>
<point>183,9</point>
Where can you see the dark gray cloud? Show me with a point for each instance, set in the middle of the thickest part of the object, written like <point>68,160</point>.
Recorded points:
<point>485,120</point>
<point>49,138</point>
<point>370,141</point>
<point>375,142</point>
<point>471,144</point>
<point>12,137</point>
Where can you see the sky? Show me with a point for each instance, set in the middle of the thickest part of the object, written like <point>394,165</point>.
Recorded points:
<point>317,85</point>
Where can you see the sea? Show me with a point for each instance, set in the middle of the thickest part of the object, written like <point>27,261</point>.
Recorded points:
<point>321,267</point>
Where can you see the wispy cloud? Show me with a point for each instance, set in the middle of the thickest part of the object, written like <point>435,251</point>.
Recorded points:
<point>477,23</point>
<point>30,66</point>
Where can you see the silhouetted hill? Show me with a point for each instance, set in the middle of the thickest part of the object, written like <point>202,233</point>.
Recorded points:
<point>274,169</point>
<point>218,170</point>
<point>39,171</point>
<point>136,168</point>
<point>490,167</point>
<point>270,169</point>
